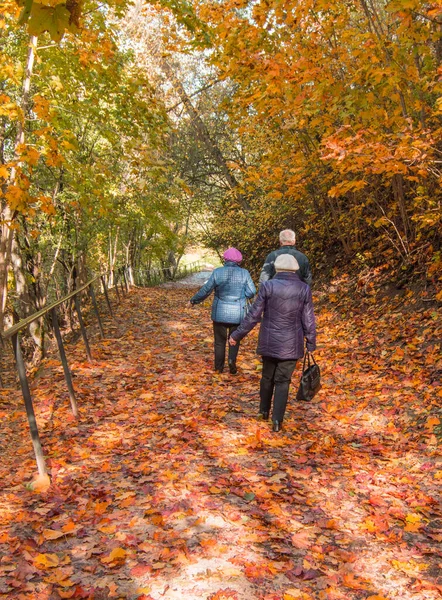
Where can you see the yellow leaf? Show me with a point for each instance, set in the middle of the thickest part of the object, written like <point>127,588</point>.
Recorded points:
<point>431,422</point>
<point>46,561</point>
<point>413,518</point>
<point>42,107</point>
<point>369,525</point>
<point>117,555</point>
<point>293,594</point>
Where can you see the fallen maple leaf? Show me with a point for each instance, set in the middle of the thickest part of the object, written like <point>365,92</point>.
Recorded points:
<point>46,561</point>
<point>295,594</point>
<point>303,574</point>
<point>66,593</point>
<point>355,583</point>
<point>69,527</point>
<point>52,534</point>
<point>226,594</point>
<point>431,422</point>
<point>117,555</point>
<point>301,539</point>
<point>140,570</point>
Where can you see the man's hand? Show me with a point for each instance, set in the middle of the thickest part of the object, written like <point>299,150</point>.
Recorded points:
<point>232,342</point>
<point>191,304</point>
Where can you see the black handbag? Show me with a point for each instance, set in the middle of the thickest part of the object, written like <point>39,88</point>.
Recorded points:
<point>310,383</point>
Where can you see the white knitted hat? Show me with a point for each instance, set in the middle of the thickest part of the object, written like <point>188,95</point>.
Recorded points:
<point>286,262</point>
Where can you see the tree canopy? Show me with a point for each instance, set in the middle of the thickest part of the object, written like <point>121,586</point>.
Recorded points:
<point>129,129</point>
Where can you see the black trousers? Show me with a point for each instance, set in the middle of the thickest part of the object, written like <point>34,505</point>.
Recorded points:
<point>276,376</point>
<point>221,331</point>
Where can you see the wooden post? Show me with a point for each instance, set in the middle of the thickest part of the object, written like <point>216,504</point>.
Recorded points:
<point>94,304</point>
<point>115,282</point>
<point>82,327</point>
<point>125,279</point>
<point>123,290</point>
<point>64,362</point>
<point>38,451</point>
<point>106,295</point>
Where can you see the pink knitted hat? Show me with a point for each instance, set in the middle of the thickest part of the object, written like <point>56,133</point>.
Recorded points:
<point>232,254</point>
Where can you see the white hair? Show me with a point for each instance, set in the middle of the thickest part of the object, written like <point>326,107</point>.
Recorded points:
<point>287,236</point>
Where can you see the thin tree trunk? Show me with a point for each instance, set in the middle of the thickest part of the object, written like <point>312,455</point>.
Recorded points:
<point>398,190</point>
<point>7,215</point>
<point>341,235</point>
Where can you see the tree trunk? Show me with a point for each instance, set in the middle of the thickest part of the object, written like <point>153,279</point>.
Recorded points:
<point>7,215</point>
<point>398,191</point>
<point>25,305</point>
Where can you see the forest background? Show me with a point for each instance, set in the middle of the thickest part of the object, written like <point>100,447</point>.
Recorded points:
<point>130,132</point>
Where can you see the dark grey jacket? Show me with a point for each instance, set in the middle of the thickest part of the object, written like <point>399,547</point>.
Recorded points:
<point>268,269</point>
<point>288,317</point>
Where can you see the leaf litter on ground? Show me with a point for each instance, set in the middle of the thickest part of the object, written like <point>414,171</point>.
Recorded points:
<point>168,487</point>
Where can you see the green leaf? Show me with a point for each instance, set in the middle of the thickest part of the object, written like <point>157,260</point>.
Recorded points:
<point>53,19</point>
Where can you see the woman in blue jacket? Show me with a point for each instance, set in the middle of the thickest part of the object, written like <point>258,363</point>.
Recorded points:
<point>232,286</point>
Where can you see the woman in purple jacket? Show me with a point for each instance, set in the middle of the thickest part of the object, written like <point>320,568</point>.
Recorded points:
<point>288,317</point>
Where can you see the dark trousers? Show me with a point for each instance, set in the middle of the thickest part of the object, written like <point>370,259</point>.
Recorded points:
<point>276,376</point>
<point>221,331</point>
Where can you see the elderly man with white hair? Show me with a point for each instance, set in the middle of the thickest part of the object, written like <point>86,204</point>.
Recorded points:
<point>287,239</point>
<point>286,306</point>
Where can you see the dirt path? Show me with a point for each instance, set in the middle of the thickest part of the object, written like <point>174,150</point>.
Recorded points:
<point>168,488</point>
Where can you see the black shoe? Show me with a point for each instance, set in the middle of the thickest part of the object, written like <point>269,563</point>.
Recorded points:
<point>264,415</point>
<point>276,426</point>
<point>232,368</point>
<point>219,370</point>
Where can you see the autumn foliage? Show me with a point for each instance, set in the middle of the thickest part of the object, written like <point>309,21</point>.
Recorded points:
<point>338,105</point>
<point>168,487</point>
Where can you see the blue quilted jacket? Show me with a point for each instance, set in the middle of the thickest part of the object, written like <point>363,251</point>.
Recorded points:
<point>285,304</point>
<point>232,285</point>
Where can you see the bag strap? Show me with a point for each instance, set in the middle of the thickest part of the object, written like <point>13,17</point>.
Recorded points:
<point>306,357</point>
<point>313,358</point>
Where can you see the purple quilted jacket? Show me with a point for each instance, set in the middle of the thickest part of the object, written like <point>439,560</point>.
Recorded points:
<point>287,308</point>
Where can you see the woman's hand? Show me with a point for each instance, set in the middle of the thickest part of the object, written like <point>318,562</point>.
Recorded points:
<point>232,342</point>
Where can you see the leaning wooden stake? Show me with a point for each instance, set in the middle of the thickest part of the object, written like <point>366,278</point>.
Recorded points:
<point>38,451</point>
<point>94,304</point>
<point>106,295</point>
<point>64,362</point>
<point>82,327</point>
